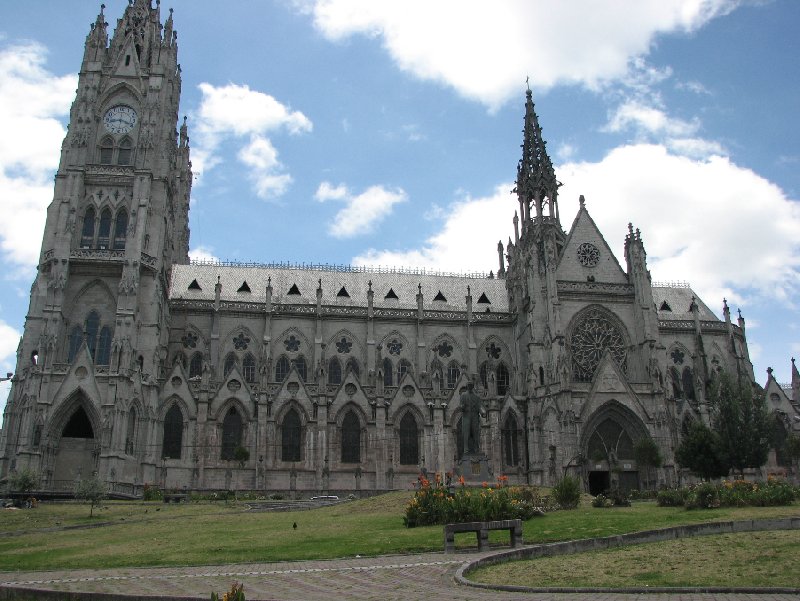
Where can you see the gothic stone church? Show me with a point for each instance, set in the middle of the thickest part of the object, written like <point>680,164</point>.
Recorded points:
<point>146,368</point>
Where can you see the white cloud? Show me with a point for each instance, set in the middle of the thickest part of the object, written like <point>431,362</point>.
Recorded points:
<point>235,112</point>
<point>203,253</point>
<point>31,101</point>
<point>649,119</point>
<point>723,228</point>
<point>361,212</point>
<point>260,155</point>
<point>467,241</point>
<point>484,49</point>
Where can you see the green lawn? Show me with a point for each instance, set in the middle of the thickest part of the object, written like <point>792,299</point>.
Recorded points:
<point>763,559</point>
<point>156,534</point>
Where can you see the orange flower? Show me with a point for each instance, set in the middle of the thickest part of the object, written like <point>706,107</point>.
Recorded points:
<point>461,480</point>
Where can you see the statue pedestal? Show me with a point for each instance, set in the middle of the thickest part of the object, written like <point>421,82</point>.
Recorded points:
<point>474,468</point>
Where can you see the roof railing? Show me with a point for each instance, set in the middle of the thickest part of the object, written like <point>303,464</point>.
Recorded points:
<point>333,267</point>
<point>671,284</point>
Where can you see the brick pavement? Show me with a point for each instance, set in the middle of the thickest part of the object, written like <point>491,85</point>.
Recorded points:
<point>386,578</point>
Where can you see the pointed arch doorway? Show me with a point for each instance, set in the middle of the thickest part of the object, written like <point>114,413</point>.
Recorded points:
<point>608,443</point>
<point>76,455</point>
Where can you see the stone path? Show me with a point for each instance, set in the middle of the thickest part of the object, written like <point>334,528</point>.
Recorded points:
<point>425,577</point>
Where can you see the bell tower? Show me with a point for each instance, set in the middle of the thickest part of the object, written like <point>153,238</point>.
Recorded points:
<point>117,224</point>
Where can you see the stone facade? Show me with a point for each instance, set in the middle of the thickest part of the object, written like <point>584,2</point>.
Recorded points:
<point>146,368</point>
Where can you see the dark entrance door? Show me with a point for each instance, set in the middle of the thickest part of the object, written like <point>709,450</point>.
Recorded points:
<point>599,482</point>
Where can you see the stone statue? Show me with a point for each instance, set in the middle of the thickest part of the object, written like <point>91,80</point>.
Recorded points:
<point>471,419</point>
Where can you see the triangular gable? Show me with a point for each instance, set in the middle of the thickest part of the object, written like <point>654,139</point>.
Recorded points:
<point>408,392</point>
<point>234,387</point>
<point>350,391</point>
<point>127,67</point>
<point>293,388</point>
<point>609,381</point>
<point>172,388</point>
<point>585,231</point>
<point>80,376</point>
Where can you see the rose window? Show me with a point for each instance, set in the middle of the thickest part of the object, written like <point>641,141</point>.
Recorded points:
<point>591,337</point>
<point>588,255</point>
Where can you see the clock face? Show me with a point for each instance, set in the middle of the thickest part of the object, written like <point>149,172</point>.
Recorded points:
<point>120,119</point>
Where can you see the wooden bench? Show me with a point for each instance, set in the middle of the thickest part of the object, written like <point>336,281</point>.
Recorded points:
<point>514,528</point>
<point>175,497</point>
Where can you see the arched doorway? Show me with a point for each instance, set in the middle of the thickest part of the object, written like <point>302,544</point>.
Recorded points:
<point>75,455</point>
<point>608,443</point>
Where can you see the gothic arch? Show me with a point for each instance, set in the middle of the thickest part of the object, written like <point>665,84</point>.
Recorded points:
<point>201,341</point>
<point>111,298</point>
<point>303,348</point>
<point>356,349</point>
<point>591,332</point>
<point>615,411</point>
<point>457,354</point>
<point>78,398</point>
<point>220,413</point>
<point>404,351</point>
<point>487,353</point>
<point>116,94</point>
<point>229,347</point>
<point>174,399</point>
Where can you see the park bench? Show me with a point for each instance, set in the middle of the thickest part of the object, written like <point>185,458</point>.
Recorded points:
<point>175,497</point>
<point>514,528</point>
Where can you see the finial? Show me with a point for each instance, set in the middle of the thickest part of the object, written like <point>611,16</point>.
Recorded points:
<point>469,293</point>
<point>582,201</point>
<point>630,229</point>
<point>269,281</point>
<point>792,360</point>
<point>320,283</point>
<point>528,83</point>
<point>725,304</point>
<point>419,287</point>
<point>769,372</point>
<point>740,313</point>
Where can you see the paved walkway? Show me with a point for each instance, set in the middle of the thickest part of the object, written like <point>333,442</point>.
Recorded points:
<point>425,577</point>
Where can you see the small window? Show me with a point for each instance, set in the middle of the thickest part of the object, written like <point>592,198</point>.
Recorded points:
<point>125,152</point>
<point>281,369</point>
<point>120,229</point>
<point>440,297</point>
<point>196,366</point>
<point>87,233</point>
<point>390,295</point>
<point>453,374</point>
<point>665,307</point>
<point>402,369</point>
<point>300,364</point>
<point>388,370</point>
<point>103,347</point>
<point>244,287</point>
<point>503,379</point>
<point>194,285</point>
<point>484,299</point>
<point>343,293</point>
<point>104,232</point>
<point>106,151</point>
<point>334,371</point>
<point>294,290</point>
<point>249,368</point>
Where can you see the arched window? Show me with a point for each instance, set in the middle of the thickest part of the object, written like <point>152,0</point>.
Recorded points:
<point>483,372</point>
<point>87,233</point>
<point>75,338</point>
<point>92,326</point>
<point>351,438</point>
<point>230,363</point>
<point>688,385</point>
<point>125,152</point>
<point>120,229</point>
<point>610,441</point>
<point>107,151</point>
<point>503,379</point>
<point>231,434</point>
<point>300,364</point>
<point>453,374</point>
<point>196,366</point>
<point>675,376</point>
<point>130,435</point>
<point>388,370</point>
<point>409,440</point>
<point>352,366</point>
<point>103,347</point>
<point>281,368</point>
<point>402,369</point>
<point>334,371</point>
<point>249,368</point>
<point>104,231</point>
<point>510,442</point>
<point>290,436</point>
<point>173,433</point>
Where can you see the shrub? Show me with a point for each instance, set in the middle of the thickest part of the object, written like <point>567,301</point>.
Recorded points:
<point>672,497</point>
<point>567,492</point>
<point>434,503</point>
<point>152,493</point>
<point>703,496</point>
<point>602,501</point>
<point>235,594</point>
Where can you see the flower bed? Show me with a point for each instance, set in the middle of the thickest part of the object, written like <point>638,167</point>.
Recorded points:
<point>437,503</point>
<point>730,493</point>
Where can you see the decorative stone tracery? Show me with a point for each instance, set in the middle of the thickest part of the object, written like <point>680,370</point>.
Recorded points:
<point>592,335</point>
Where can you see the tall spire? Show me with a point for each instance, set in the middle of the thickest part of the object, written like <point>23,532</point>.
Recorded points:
<point>536,178</point>
<point>97,40</point>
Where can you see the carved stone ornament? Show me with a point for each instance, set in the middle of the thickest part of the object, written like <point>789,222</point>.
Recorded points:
<point>588,255</point>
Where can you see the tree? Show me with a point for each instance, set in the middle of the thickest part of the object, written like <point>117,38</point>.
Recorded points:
<point>242,455</point>
<point>700,452</point>
<point>647,455</point>
<point>24,481</point>
<point>742,422</point>
<point>91,489</point>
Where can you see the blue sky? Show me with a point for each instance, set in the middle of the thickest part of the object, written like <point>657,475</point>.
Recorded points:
<point>388,133</point>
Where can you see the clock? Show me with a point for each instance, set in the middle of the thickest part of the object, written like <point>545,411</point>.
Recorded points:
<point>120,119</point>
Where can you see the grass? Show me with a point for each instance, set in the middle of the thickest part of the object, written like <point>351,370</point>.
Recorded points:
<point>762,559</point>
<point>157,534</point>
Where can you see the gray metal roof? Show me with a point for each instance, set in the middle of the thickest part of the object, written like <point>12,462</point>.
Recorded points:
<point>404,285</point>
<point>678,300</point>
